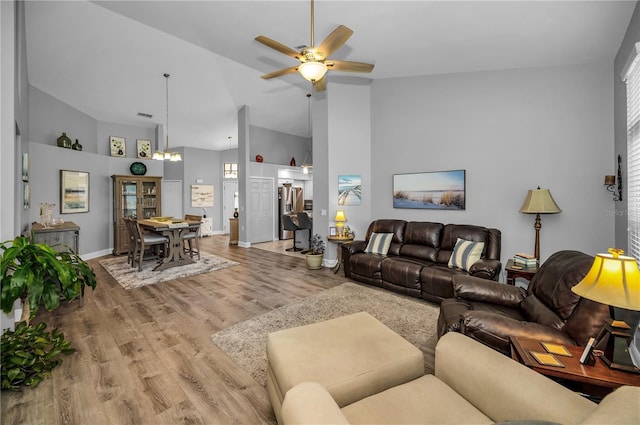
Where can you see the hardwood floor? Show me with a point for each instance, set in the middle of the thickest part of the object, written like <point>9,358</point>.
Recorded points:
<point>144,356</point>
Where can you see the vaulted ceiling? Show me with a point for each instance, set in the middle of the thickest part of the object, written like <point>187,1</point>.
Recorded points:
<point>107,58</point>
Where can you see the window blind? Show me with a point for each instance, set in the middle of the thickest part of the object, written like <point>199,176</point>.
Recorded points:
<point>632,78</point>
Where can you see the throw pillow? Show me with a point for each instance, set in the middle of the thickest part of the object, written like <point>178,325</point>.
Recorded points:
<point>465,253</point>
<point>379,243</point>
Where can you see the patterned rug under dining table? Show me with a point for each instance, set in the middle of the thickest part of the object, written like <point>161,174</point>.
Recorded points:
<point>173,229</point>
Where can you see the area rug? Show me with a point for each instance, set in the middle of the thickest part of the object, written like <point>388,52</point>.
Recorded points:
<point>280,247</point>
<point>129,277</point>
<point>413,319</point>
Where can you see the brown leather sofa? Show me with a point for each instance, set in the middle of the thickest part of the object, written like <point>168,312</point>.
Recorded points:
<point>548,310</point>
<point>417,261</point>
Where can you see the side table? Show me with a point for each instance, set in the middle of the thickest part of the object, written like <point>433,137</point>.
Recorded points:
<point>339,240</point>
<point>597,380</point>
<point>233,231</point>
<point>523,272</point>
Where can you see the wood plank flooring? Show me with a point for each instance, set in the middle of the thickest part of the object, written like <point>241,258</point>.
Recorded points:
<point>144,356</point>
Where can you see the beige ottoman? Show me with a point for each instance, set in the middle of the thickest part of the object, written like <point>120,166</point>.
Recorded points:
<point>353,357</point>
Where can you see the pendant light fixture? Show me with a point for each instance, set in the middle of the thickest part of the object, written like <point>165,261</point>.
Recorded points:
<point>305,166</point>
<point>167,155</point>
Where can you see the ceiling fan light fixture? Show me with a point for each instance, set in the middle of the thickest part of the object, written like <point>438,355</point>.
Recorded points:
<point>312,71</point>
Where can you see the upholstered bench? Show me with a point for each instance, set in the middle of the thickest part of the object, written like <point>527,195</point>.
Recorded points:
<point>353,357</point>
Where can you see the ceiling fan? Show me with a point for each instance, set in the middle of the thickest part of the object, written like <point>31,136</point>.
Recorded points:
<point>314,61</point>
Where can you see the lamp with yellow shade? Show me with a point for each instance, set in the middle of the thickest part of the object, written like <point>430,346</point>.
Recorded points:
<point>340,219</point>
<point>614,279</point>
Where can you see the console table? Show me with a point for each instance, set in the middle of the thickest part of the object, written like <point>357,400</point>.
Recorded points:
<point>61,237</point>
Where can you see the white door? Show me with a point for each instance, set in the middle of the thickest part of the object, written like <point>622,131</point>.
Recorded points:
<point>229,202</point>
<point>172,198</point>
<point>260,209</point>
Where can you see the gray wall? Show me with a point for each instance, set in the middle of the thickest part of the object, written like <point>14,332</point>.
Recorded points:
<point>511,131</point>
<point>277,147</point>
<point>96,226</point>
<point>49,117</point>
<point>349,149</point>
<point>204,165</point>
<point>620,92</point>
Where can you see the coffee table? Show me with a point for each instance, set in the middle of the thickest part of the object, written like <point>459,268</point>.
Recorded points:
<point>596,381</point>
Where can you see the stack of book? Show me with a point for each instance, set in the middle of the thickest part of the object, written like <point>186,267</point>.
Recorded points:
<point>525,260</point>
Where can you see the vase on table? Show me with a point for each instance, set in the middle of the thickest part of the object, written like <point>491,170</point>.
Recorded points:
<point>46,214</point>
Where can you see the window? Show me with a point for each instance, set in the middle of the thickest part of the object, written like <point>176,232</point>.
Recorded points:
<point>631,76</point>
<point>230,170</point>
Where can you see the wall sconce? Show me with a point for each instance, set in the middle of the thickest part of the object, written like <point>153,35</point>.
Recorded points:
<point>610,182</point>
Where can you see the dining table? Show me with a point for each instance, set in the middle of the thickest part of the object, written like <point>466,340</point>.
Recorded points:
<point>173,229</point>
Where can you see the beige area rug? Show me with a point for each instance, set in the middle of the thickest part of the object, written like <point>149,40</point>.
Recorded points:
<point>413,319</point>
<point>280,247</point>
<point>129,277</point>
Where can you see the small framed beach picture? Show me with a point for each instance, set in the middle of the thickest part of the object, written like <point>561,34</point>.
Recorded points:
<point>144,148</point>
<point>349,190</point>
<point>118,146</point>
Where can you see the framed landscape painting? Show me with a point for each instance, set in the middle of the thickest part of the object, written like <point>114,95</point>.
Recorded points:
<point>74,192</point>
<point>438,190</point>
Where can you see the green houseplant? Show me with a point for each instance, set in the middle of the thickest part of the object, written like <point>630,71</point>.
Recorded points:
<point>315,253</point>
<point>35,273</point>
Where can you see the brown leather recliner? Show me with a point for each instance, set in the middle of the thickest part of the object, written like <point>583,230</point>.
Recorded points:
<point>548,310</point>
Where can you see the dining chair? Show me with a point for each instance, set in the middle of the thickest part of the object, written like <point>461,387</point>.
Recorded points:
<point>130,223</point>
<point>144,240</point>
<point>289,224</point>
<point>191,236</point>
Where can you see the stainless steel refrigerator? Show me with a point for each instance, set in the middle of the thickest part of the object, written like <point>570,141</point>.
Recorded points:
<point>290,201</point>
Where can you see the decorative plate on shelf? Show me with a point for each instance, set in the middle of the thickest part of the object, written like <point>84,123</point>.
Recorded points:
<point>138,169</point>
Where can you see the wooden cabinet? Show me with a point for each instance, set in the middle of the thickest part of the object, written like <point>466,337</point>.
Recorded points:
<point>62,237</point>
<point>133,197</point>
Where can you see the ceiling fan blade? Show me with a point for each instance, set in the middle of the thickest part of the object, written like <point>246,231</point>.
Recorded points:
<point>349,66</point>
<point>278,46</point>
<point>334,41</point>
<point>321,84</point>
<point>279,73</point>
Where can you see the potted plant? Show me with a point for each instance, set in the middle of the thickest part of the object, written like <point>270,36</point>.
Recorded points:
<point>315,253</point>
<point>36,273</point>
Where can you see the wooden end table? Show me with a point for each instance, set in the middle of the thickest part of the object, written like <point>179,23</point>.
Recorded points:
<point>523,272</point>
<point>339,240</point>
<point>597,380</point>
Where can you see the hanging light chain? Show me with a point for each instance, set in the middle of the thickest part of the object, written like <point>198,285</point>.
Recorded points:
<point>166,76</point>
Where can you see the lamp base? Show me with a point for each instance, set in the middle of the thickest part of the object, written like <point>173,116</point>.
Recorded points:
<point>614,340</point>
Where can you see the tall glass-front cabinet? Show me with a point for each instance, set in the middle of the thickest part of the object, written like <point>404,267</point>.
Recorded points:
<point>134,197</point>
